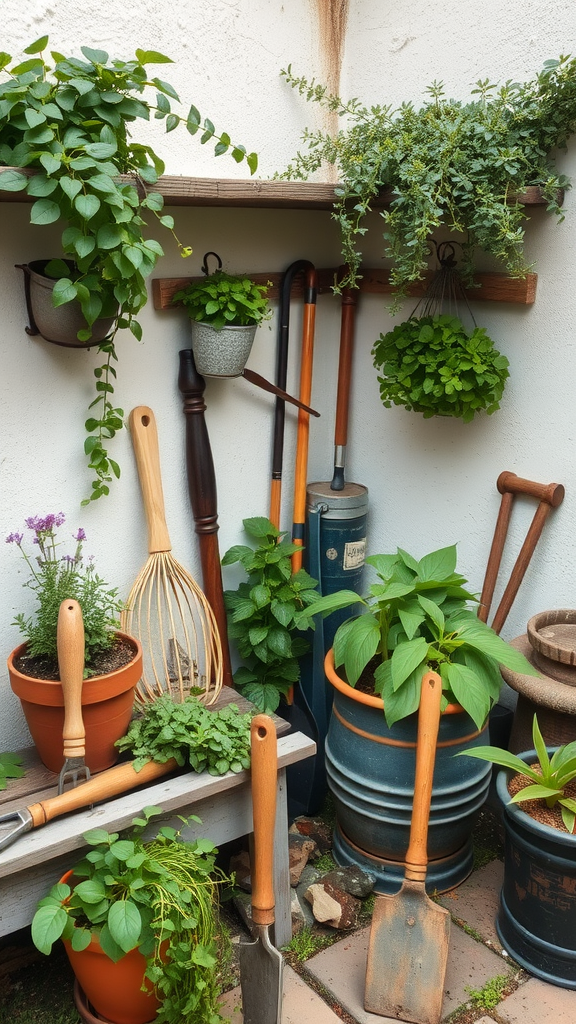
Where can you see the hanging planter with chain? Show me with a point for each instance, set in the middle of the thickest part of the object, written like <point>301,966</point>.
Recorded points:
<point>431,363</point>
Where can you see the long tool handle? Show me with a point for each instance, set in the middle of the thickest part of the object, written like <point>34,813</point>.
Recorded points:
<point>428,724</point>
<point>203,496</point>
<point>70,644</point>
<point>108,784</point>
<point>264,770</point>
<point>261,382</point>
<point>145,441</point>
<point>301,469</point>
<point>349,300</point>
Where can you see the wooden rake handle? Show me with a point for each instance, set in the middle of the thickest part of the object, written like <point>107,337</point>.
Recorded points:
<point>146,449</point>
<point>102,787</point>
<point>264,769</point>
<point>428,725</point>
<point>70,645</point>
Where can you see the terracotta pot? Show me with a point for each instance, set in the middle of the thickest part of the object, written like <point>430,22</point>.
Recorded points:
<point>112,989</point>
<point>107,703</point>
<point>370,770</point>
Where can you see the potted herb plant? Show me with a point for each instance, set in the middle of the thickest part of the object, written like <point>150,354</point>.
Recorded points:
<point>68,120</point>
<point>224,310</point>
<point>433,365</point>
<point>417,618</point>
<point>113,660</point>
<point>446,163</point>
<point>537,792</point>
<point>262,614</point>
<point>139,920</point>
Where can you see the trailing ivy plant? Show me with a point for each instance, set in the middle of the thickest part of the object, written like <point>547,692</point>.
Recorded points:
<point>262,614</point>
<point>433,365</point>
<point>447,163</point>
<point>69,120</point>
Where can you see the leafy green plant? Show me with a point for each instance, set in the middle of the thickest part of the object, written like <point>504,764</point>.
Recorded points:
<point>55,578</point>
<point>491,993</point>
<point>10,768</point>
<point>417,618</point>
<point>213,741</point>
<point>433,365</point>
<point>447,163</point>
<point>549,782</point>
<point>305,944</point>
<point>262,614</point>
<point>225,300</point>
<point>132,893</point>
<point>69,121</point>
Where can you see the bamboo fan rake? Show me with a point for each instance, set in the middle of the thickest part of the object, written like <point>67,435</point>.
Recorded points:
<point>166,609</point>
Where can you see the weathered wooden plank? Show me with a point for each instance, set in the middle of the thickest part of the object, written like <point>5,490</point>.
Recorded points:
<point>490,287</point>
<point>179,190</point>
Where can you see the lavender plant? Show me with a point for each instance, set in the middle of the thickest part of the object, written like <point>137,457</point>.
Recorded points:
<point>55,578</point>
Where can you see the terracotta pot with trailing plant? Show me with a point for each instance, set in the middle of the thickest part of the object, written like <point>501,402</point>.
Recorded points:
<point>113,660</point>
<point>68,120</point>
<point>224,311</point>
<point>417,619</point>
<point>537,910</point>
<point>139,920</point>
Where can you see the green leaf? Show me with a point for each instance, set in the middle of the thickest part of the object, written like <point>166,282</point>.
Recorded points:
<point>438,565</point>
<point>44,211</point>
<point>87,205</point>
<point>90,891</point>
<point>95,56</point>
<point>50,163</point>
<point>40,185</point>
<point>432,610</point>
<point>47,926</point>
<point>13,181</point>
<point>125,924</point>
<point>152,57</point>
<point>109,236</point>
<point>64,291</point>
<point>469,692</point>
<point>37,46</point>
<point>405,700</point>
<point>537,792</point>
<point>406,658</point>
<point>361,644</point>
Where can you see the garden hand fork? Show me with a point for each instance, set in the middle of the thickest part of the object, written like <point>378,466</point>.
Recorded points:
<point>70,643</point>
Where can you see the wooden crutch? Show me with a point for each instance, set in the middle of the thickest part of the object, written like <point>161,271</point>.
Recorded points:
<point>550,496</point>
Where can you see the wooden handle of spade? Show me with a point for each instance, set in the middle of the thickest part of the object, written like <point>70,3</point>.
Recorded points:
<point>264,768</point>
<point>428,724</point>
<point>70,645</point>
<point>146,449</point>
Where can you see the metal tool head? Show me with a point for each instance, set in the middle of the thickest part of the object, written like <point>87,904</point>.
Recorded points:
<point>261,971</point>
<point>23,820</point>
<point>73,770</point>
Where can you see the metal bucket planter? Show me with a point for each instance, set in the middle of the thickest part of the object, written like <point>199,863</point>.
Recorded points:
<point>370,770</point>
<point>222,353</point>
<point>57,324</point>
<point>536,919</point>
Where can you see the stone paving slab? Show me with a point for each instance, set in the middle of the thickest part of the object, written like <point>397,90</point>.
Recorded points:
<point>300,1004</point>
<point>341,970</point>
<point>536,1002</point>
<point>476,901</point>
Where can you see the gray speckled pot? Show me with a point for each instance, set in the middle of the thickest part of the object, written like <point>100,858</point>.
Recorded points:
<point>221,353</point>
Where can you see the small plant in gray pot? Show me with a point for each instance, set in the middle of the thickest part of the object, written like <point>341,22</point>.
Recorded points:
<point>224,310</point>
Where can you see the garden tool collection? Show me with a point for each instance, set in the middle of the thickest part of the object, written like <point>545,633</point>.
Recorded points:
<point>107,784</point>
<point>70,645</point>
<point>303,432</point>
<point>261,965</point>
<point>408,947</point>
<point>549,496</point>
<point>166,609</point>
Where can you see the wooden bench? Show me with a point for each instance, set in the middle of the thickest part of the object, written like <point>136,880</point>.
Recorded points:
<point>37,859</point>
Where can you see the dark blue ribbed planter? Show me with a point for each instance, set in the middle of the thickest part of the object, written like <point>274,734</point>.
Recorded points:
<point>537,916</point>
<point>370,770</point>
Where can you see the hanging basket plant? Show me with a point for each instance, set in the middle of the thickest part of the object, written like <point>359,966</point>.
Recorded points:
<point>431,363</point>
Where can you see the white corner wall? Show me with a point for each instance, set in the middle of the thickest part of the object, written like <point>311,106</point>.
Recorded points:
<point>431,482</point>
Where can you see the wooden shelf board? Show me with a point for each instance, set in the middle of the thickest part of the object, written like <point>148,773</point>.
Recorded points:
<point>293,195</point>
<point>491,287</point>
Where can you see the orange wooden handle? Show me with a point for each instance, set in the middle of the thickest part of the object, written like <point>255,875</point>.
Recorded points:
<point>552,494</point>
<point>108,784</point>
<point>145,441</point>
<point>428,724</point>
<point>264,768</point>
<point>70,644</point>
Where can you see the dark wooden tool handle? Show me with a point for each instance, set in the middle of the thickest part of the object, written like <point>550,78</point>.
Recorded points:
<point>349,300</point>
<point>146,449</point>
<point>203,499</point>
<point>70,645</point>
<point>521,564</point>
<point>108,784</point>
<point>552,494</point>
<point>428,724</point>
<point>264,770</point>
<point>266,385</point>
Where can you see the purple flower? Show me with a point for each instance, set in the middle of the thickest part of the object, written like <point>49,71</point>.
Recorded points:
<point>80,536</point>
<point>46,523</point>
<point>14,538</point>
<point>69,560</point>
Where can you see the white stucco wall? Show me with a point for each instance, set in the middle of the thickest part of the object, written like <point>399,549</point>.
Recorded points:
<point>431,482</point>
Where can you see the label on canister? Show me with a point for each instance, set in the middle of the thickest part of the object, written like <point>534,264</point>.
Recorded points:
<point>354,554</point>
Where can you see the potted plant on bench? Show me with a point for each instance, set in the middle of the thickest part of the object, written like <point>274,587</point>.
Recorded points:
<point>139,920</point>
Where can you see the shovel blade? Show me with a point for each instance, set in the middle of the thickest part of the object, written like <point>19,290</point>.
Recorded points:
<point>261,967</point>
<point>407,956</point>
